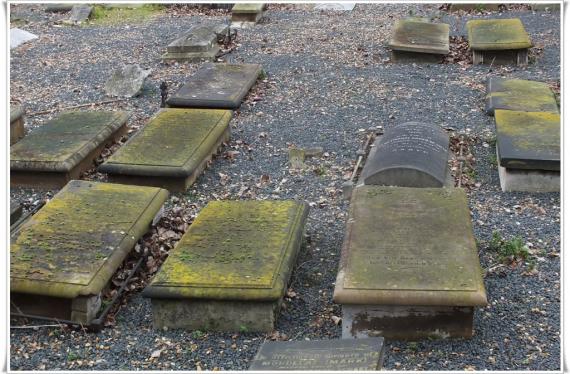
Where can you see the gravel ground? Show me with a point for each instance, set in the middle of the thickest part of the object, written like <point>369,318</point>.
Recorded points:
<point>329,80</point>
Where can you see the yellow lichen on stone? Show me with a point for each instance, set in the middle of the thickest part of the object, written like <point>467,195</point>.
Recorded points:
<point>533,132</point>
<point>497,34</point>
<point>247,8</point>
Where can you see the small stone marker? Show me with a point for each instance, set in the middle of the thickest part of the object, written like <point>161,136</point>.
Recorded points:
<point>62,258</point>
<point>80,13</point>
<point>15,211</point>
<point>341,354</point>
<point>19,37</point>
<point>17,130</point>
<point>419,41</point>
<point>63,148</point>
<point>519,95</point>
<point>528,150</point>
<point>247,13</point>
<point>411,154</point>
<point>127,81</point>
<point>199,44</point>
<point>59,8</point>
<point>409,267</point>
<point>230,270</point>
<point>171,150</point>
<point>344,6</point>
<point>498,41</point>
<point>222,86</point>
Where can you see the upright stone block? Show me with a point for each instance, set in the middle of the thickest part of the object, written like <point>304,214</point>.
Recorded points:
<point>15,211</point>
<point>409,267</point>
<point>17,131</point>
<point>321,355</point>
<point>230,270</point>
<point>216,86</point>
<point>80,13</point>
<point>64,256</point>
<point>247,13</point>
<point>528,150</point>
<point>171,150</point>
<point>418,41</point>
<point>498,41</point>
<point>411,154</point>
<point>199,44</point>
<point>61,149</point>
<point>519,95</point>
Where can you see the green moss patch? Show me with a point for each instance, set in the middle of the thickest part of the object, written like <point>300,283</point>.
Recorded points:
<point>103,15</point>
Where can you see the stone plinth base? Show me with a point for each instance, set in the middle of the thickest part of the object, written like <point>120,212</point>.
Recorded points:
<point>246,17</point>
<point>417,57</point>
<point>501,57</point>
<point>523,180</point>
<point>17,131</point>
<point>80,310</point>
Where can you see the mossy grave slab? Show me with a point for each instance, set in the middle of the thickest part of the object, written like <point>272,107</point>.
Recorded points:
<point>497,34</point>
<point>171,150</point>
<point>528,140</point>
<point>199,44</point>
<point>17,130</point>
<point>63,148</point>
<point>420,37</point>
<point>519,95</point>
<point>69,250</point>
<point>322,355</point>
<point>216,86</point>
<point>230,269</point>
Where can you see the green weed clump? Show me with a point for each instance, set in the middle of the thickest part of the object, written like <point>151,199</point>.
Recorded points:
<point>510,250</point>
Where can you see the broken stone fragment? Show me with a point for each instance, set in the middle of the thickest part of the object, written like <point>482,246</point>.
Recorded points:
<point>126,81</point>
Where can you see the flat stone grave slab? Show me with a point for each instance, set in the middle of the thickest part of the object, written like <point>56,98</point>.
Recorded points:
<point>16,211</point>
<point>19,37</point>
<point>64,256</point>
<point>17,130</point>
<point>244,12</point>
<point>322,355</point>
<point>222,86</point>
<point>498,41</point>
<point>418,41</point>
<point>409,267</point>
<point>199,44</point>
<point>519,95</point>
<point>187,137</point>
<point>230,270</point>
<point>528,150</point>
<point>411,154</point>
<point>61,149</point>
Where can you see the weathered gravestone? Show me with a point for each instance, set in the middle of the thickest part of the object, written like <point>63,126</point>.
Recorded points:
<point>126,81</point>
<point>247,13</point>
<point>498,41</point>
<point>418,41</point>
<point>199,44</point>
<point>216,86</point>
<point>409,267</point>
<point>15,211</point>
<point>80,13</point>
<point>59,8</point>
<point>411,154</point>
<point>171,150</point>
<point>324,355</point>
<point>520,95</point>
<point>17,131</point>
<point>230,270</point>
<point>63,148</point>
<point>19,37</point>
<point>64,256</point>
<point>528,150</point>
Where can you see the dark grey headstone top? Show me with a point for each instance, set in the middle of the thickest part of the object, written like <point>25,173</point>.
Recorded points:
<point>411,154</point>
<point>342,354</point>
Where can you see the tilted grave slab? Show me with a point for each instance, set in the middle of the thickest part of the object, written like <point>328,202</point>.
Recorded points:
<point>243,12</point>
<point>171,150</point>
<point>222,86</point>
<point>519,95</point>
<point>411,154</point>
<point>61,149</point>
<point>17,130</point>
<point>64,256</point>
<point>16,211</point>
<point>418,41</point>
<point>528,150</point>
<point>498,41</point>
<point>409,267</point>
<point>230,270</point>
<point>341,354</point>
<point>199,44</point>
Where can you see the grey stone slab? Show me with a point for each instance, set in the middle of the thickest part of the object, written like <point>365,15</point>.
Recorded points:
<point>59,8</point>
<point>127,81</point>
<point>347,355</point>
<point>198,39</point>
<point>411,154</point>
<point>19,37</point>
<point>420,37</point>
<point>80,13</point>
<point>519,95</point>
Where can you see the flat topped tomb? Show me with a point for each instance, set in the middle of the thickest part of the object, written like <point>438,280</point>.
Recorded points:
<point>61,149</point>
<point>64,255</point>
<point>411,154</point>
<point>244,12</point>
<point>519,95</point>
<point>415,40</point>
<point>409,267</point>
<point>321,355</point>
<point>528,150</point>
<point>230,270</point>
<point>188,138</point>
<point>498,41</point>
<point>218,86</point>
<point>199,44</point>
<point>17,130</point>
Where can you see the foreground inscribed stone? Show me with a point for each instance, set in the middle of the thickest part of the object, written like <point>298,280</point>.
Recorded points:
<point>62,148</point>
<point>519,95</point>
<point>69,250</point>
<point>340,354</point>
<point>230,270</point>
<point>171,150</point>
<point>409,265</point>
